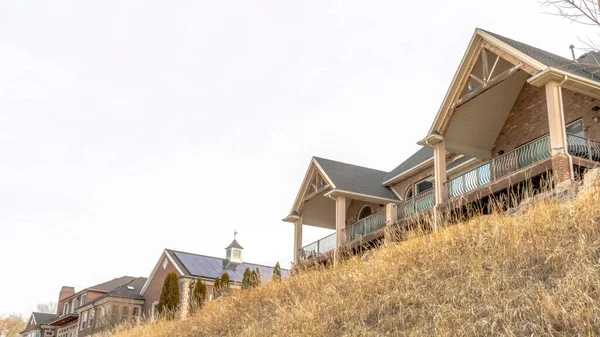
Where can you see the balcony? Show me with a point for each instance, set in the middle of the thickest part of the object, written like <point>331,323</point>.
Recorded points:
<point>583,148</point>
<point>498,168</point>
<point>320,247</point>
<point>420,203</point>
<point>364,227</point>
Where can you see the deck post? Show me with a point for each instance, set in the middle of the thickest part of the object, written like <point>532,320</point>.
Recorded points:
<point>558,134</point>
<point>340,223</point>
<point>439,164</point>
<point>297,239</point>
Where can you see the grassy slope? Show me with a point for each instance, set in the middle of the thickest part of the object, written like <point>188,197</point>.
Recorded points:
<point>532,274</point>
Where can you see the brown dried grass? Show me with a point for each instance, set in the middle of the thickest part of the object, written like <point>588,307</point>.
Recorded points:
<point>532,274</point>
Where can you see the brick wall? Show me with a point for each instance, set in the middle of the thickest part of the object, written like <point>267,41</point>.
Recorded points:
<point>402,187</point>
<point>152,293</point>
<point>356,205</point>
<point>528,118</point>
<point>578,106</point>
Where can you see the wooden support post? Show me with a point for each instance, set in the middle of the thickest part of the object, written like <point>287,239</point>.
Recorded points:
<point>439,165</point>
<point>558,133</point>
<point>297,239</point>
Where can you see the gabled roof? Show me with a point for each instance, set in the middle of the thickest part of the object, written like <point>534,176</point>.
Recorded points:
<point>356,179</point>
<point>41,318</point>
<point>587,65</point>
<point>209,267</point>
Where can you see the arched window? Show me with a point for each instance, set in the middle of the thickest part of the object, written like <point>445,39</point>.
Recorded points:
<point>409,193</point>
<point>364,212</point>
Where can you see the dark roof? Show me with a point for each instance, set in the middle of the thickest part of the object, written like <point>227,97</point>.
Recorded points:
<point>112,284</point>
<point>43,318</point>
<point>129,290</point>
<point>458,161</point>
<point>423,154</point>
<point>234,244</point>
<point>107,286</point>
<point>586,65</point>
<point>356,179</point>
<point>212,267</point>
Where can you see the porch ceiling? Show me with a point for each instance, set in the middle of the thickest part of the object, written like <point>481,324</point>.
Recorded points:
<point>476,124</point>
<point>319,211</point>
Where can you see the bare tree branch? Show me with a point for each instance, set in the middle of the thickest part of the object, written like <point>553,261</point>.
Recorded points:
<point>47,308</point>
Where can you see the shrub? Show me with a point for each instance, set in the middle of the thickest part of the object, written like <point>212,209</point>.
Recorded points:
<point>217,288</point>
<point>199,294</point>
<point>224,283</point>
<point>247,279</point>
<point>169,297</point>
<point>276,273</point>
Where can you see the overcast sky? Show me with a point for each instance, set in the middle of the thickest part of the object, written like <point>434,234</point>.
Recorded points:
<point>130,126</point>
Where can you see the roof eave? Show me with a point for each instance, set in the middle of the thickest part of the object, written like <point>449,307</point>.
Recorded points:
<point>359,196</point>
<point>408,172</point>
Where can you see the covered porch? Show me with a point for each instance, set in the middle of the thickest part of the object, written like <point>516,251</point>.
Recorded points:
<point>348,199</point>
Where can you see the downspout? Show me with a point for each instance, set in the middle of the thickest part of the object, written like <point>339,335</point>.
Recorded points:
<point>562,120</point>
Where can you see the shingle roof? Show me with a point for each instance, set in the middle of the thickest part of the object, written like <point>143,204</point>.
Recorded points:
<point>212,267</point>
<point>234,244</point>
<point>423,154</point>
<point>112,284</point>
<point>356,179</point>
<point>130,290</point>
<point>458,161</point>
<point>586,66</point>
<point>43,318</point>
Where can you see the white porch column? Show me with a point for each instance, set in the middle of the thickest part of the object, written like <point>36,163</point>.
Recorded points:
<point>561,161</point>
<point>340,219</point>
<point>556,118</point>
<point>439,169</point>
<point>297,239</point>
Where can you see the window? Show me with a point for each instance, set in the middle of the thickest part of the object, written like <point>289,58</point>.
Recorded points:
<point>83,299</point>
<point>66,309</point>
<point>236,254</point>
<point>364,212</point>
<point>576,129</point>
<point>84,318</point>
<point>76,305</point>
<point>92,316</point>
<point>423,186</point>
<point>409,194</point>
<point>124,312</point>
<point>165,262</point>
<point>155,309</point>
<point>136,311</point>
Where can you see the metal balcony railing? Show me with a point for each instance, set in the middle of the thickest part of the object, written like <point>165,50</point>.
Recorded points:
<point>498,167</point>
<point>364,226</point>
<point>583,148</point>
<point>421,202</point>
<point>320,247</point>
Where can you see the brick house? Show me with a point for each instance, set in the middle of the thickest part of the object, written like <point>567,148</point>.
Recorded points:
<point>189,267</point>
<point>512,114</point>
<point>37,325</point>
<point>77,311</point>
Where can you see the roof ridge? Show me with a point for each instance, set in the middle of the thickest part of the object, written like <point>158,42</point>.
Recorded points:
<point>220,258</point>
<point>526,44</point>
<point>341,162</point>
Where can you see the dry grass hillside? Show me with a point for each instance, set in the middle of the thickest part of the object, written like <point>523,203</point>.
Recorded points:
<point>533,274</point>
